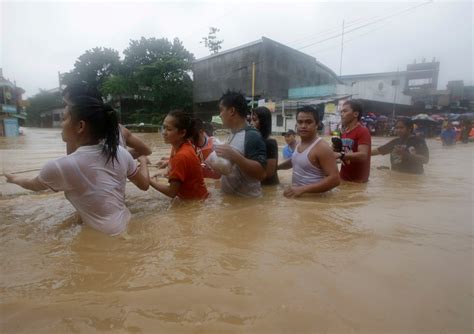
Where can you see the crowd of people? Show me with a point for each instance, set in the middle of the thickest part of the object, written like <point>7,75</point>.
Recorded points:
<point>102,155</point>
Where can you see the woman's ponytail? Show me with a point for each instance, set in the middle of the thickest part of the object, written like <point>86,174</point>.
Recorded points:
<point>112,134</point>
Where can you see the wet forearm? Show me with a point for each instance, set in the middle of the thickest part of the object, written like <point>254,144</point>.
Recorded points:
<point>251,168</point>
<point>139,152</point>
<point>30,184</point>
<point>356,156</point>
<point>326,184</point>
<point>165,189</point>
<point>375,152</point>
<point>285,164</point>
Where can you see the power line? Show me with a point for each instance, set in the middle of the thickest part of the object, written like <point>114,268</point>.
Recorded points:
<point>367,24</point>
<point>342,48</point>
<point>333,29</point>
<point>349,40</point>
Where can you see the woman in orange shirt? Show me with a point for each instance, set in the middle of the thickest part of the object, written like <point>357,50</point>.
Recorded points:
<point>185,176</point>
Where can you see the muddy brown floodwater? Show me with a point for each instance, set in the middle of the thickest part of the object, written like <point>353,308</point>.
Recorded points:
<point>392,256</point>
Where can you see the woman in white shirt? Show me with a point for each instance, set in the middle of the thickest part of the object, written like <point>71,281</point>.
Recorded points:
<point>93,177</point>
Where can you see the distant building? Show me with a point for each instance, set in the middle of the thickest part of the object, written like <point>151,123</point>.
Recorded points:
<point>278,68</point>
<point>421,80</point>
<point>386,87</point>
<point>51,118</point>
<point>11,107</point>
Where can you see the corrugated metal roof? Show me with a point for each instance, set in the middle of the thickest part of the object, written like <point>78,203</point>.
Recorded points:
<point>229,50</point>
<point>261,41</point>
<point>372,75</point>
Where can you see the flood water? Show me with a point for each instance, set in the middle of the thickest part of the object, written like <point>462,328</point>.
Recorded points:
<point>392,256</point>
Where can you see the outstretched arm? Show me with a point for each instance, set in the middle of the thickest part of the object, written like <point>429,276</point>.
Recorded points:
<point>287,164</point>
<point>136,146</point>
<point>375,152</point>
<point>361,155</point>
<point>30,184</point>
<point>170,190</point>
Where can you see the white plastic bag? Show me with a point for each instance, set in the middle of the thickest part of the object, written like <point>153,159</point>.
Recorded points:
<point>218,164</point>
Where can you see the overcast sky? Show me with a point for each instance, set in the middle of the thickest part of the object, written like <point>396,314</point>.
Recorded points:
<point>38,39</point>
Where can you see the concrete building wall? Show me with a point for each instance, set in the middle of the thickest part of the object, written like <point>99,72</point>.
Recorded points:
<point>283,121</point>
<point>285,68</point>
<point>277,69</point>
<point>388,88</point>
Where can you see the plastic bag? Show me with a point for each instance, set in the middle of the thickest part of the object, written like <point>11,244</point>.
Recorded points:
<point>218,164</point>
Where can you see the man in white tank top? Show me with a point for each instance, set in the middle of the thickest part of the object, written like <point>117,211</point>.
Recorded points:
<point>313,162</point>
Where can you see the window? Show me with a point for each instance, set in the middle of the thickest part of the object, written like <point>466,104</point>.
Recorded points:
<point>279,120</point>
<point>420,82</point>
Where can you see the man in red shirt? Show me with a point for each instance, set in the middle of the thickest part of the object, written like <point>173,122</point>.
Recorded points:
<point>356,141</point>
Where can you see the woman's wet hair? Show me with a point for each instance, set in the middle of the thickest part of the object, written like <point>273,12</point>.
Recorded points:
<point>408,123</point>
<point>265,121</point>
<point>199,125</point>
<point>101,120</point>
<point>183,121</point>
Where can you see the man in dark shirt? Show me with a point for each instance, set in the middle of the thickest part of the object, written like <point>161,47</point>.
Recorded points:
<point>245,148</point>
<point>408,152</point>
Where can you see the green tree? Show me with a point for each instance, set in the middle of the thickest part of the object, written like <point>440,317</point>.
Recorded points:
<point>211,42</point>
<point>156,75</point>
<point>153,78</point>
<point>118,86</point>
<point>147,51</point>
<point>94,67</point>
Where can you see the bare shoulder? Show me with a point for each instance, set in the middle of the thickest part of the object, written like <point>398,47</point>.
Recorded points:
<point>322,148</point>
<point>320,151</point>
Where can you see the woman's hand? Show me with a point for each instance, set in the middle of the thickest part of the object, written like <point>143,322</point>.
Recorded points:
<point>163,163</point>
<point>11,178</point>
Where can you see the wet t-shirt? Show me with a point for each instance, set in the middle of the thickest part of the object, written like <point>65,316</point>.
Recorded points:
<point>272,153</point>
<point>412,144</point>
<point>185,167</point>
<point>94,188</point>
<point>250,144</point>
<point>353,170</point>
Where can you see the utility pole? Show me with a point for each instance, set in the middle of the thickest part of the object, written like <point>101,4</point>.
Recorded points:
<point>253,83</point>
<point>342,48</point>
<point>395,94</point>
<point>59,81</point>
